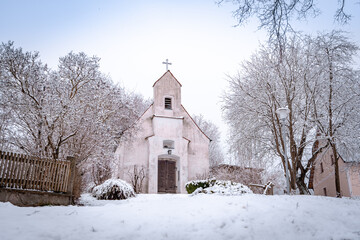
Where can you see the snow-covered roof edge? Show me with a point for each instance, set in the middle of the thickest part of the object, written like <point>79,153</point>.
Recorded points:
<point>348,157</point>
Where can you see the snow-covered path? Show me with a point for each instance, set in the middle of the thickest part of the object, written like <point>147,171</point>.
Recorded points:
<point>187,217</point>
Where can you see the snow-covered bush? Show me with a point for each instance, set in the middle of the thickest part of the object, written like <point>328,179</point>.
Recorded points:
<point>113,189</point>
<point>211,186</point>
<point>195,184</point>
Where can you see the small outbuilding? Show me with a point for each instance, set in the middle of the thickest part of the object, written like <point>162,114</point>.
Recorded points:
<point>322,175</point>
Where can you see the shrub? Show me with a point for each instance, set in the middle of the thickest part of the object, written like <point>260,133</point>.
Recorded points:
<point>113,189</point>
<point>212,186</point>
<point>195,184</point>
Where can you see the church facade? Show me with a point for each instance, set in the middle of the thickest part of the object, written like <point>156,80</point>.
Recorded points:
<point>167,145</point>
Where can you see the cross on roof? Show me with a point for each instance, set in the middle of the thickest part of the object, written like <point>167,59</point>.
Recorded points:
<point>167,63</point>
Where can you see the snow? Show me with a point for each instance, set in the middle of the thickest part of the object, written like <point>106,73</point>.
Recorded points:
<point>222,188</point>
<point>113,189</point>
<point>203,216</point>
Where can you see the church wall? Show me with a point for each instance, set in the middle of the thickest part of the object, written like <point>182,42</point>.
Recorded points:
<point>179,154</point>
<point>167,87</point>
<point>198,150</point>
<point>134,151</point>
<point>184,166</point>
<point>191,146</point>
<point>167,129</point>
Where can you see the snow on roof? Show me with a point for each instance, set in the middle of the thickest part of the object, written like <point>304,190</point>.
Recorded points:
<point>348,155</point>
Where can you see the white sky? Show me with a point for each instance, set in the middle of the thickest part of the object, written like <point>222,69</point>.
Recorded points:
<point>133,38</point>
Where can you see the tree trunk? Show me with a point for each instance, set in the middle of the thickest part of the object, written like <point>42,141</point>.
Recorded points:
<point>302,186</point>
<point>337,173</point>
<point>331,132</point>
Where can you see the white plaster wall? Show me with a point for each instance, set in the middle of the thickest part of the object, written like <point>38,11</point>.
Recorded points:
<point>134,150</point>
<point>184,165</point>
<point>167,86</point>
<point>168,129</point>
<point>191,150</point>
<point>198,158</point>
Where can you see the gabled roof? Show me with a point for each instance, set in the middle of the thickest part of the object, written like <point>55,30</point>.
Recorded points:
<point>195,123</point>
<point>181,106</point>
<point>168,71</point>
<point>137,120</point>
<point>170,117</point>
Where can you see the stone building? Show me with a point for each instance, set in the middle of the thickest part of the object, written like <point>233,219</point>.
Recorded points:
<point>246,175</point>
<point>167,147</point>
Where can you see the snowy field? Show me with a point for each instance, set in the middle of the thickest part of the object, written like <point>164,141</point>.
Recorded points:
<point>187,217</point>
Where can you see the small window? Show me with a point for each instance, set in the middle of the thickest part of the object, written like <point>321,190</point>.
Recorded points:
<point>168,103</point>
<point>325,193</point>
<point>332,159</point>
<point>322,167</point>
<point>168,144</point>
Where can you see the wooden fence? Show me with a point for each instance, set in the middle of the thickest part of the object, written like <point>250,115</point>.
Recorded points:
<point>19,171</point>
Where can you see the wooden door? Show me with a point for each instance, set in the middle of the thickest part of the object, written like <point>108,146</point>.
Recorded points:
<point>167,176</point>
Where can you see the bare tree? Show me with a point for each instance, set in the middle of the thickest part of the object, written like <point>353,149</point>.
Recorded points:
<point>276,15</point>
<point>137,175</point>
<point>100,171</point>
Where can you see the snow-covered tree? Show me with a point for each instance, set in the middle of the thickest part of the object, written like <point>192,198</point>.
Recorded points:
<point>264,84</point>
<point>336,112</point>
<point>216,154</point>
<point>74,110</point>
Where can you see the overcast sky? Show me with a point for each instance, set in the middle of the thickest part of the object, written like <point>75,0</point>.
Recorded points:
<point>134,37</point>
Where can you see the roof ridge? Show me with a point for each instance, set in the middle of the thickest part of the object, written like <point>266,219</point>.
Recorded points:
<point>196,123</point>
<point>171,75</point>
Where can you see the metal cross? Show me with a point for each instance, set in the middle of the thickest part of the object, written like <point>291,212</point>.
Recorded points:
<point>167,63</point>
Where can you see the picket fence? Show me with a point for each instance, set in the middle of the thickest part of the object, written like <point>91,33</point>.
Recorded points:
<point>18,171</point>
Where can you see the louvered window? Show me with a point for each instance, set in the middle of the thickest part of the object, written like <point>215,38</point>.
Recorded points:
<point>168,103</point>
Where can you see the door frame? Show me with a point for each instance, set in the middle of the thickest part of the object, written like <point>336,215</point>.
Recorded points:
<point>172,158</point>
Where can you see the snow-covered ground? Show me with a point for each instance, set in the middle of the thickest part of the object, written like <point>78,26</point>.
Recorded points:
<point>187,217</point>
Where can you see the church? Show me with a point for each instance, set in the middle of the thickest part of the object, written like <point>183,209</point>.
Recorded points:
<point>167,145</point>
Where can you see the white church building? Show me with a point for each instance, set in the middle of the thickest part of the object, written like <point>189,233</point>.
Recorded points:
<point>167,144</point>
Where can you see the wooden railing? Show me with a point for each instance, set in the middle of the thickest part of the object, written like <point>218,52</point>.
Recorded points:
<point>19,171</point>
<point>268,187</point>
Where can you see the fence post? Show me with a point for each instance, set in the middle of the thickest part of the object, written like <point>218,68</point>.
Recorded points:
<point>72,178</point>
<point>269,190</point>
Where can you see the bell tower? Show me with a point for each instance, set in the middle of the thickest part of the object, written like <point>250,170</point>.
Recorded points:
<point>167,96</point>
